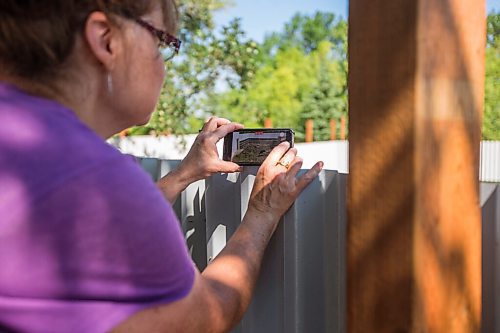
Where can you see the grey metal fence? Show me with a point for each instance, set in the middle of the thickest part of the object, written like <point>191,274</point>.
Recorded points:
<point>301,287</point>
<point>302,283</point>
<point>490,207</point>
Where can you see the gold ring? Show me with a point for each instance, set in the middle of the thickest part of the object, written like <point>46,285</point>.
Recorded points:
<point>285,164</point>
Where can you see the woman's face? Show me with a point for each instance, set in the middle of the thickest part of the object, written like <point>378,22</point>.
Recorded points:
<point>140,73</point>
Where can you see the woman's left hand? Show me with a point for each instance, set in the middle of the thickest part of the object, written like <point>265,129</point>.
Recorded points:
<point>202,159</point>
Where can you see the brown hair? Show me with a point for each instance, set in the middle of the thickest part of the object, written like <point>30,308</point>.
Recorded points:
<point>37,36</point>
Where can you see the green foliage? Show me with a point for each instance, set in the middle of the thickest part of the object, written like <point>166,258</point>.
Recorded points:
<point>491,122</point>
<point>229,75</point>
<point>191,77</point>
<point>297,74</point>
<point>275,93</point>
<point>307,32</point>
<point>300,67</point>
<point>191,73</point>
<point>493,29</point>
<point>326,101</point>
<point>238,56</point>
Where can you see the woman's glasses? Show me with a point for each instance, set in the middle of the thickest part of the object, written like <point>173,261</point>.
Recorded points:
<point>169,45</point>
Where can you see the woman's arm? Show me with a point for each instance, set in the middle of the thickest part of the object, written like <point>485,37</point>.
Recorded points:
<point>221,294</point>
<point>202,160</point>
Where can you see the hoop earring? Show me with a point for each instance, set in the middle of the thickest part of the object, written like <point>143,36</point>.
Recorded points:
<point>110,84</point>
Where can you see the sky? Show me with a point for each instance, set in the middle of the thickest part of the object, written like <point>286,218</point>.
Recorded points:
<point>261,16</point>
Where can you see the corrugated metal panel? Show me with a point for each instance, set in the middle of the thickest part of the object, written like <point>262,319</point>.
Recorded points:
<point>489,169</point>
<point>337,159</point>
<point>490,204</point>
<point>301,287</point>
<point>189,207</point>
<point>302,282</point>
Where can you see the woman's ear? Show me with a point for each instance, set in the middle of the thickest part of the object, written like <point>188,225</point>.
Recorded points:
<point>102,39</point>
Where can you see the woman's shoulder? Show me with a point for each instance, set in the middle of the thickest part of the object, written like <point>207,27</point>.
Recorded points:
<point>41,140</point>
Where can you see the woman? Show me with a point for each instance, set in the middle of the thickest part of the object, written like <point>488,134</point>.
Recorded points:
<point>87,242</point>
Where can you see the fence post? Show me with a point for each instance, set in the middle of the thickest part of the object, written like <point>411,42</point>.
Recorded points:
<point>333,130</point>
<point>416,76</point>
<point>124,133</point>
<point>309,130</point>
<point>343,128</point>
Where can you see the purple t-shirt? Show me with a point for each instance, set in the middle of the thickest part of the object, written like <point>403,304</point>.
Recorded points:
<point>86,238</point>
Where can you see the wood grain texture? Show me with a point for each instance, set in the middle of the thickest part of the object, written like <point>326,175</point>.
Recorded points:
<point>414,232</point>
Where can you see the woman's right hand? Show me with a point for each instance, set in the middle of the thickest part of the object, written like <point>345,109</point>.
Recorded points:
<point>202,159</point>
<point>276,184</point>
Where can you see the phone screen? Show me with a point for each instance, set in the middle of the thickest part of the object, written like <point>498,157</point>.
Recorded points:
<point>252,146</point>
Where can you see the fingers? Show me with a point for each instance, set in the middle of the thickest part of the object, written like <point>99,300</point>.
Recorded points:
<point>225,129</point>
<point>217,128</point>
<point>288,159</point>
<point>306,178</point>
<point>213,122</point>
<point>229,167</point>
<point>277,153</point>
<point>295,167</point>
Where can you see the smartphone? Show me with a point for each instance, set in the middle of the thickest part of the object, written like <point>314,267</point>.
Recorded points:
<point>251,146</point>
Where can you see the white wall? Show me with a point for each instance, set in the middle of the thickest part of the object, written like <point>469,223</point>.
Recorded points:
<point>335,154</point>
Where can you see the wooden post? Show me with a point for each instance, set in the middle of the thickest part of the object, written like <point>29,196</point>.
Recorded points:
<point>124,133</point>
<point>309,130</point>
<point>268,123</point>
<point>333,129</point>
<point>343,128</point>
<point>416,76</point>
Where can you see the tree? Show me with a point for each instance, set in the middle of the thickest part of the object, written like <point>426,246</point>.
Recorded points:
<point>276,92</point>
<point>493,29</point>
<point>230,75</point>
<point>238,57</point>
<point>301,69</point>
<point>189,74</point>
<point>491,121</point>
<point>191,78</point>
<point>292,76</point>
<point>327,100</point>
<point>307,32</point>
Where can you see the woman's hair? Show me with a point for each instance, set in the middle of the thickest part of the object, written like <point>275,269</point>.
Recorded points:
<point>37,36</point>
